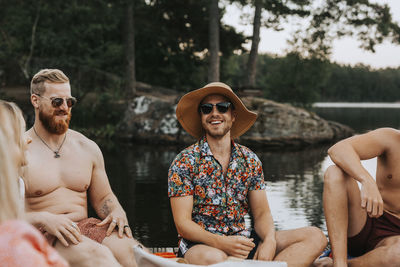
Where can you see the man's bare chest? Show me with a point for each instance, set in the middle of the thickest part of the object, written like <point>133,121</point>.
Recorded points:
<point>45,174</point>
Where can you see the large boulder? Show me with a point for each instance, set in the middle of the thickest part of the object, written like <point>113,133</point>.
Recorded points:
<point>150,118</point>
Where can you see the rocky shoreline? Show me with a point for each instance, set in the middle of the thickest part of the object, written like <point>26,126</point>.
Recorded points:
<point>151,118</point>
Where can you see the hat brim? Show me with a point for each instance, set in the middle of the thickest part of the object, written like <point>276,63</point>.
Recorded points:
<point>189,117</point>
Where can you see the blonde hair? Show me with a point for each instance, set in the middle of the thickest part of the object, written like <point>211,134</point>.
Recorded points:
<point>46,75</point>
<point>12,126</point>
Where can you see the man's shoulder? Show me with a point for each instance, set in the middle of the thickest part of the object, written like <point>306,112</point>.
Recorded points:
<point>388,131</point>
<point>188,151</point>
<point>81,139</point>
<point>247,152</point>
<point>385,135</point>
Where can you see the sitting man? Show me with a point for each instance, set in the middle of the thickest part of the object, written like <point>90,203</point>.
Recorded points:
<point>364,223</point>
<point>64,168</point>
<point>215,182</point>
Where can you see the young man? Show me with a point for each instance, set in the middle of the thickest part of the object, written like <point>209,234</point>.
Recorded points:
<point>214,183</point>
<point>64,168</point>
<point>364,223</point>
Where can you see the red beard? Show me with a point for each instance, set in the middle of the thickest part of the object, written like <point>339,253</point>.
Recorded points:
<point>50,123</point>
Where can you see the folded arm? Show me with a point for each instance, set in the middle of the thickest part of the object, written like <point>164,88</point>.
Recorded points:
<point>347,154</point>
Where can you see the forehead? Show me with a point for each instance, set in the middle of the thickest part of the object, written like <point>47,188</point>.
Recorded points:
<point>57,89</point>
<point>214,99</point>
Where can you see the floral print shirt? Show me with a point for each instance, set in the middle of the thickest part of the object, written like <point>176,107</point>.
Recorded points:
<point>219,202</point>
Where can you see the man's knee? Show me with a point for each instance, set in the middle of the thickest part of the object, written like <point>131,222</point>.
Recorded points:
<point>214,257</point>
<point>316,237</point>
<point>335,178</point>
<point>87,253</point>
<point>121,248</point>
<point>334,175</point>
<point>205,256</point>
<point>391,255</point>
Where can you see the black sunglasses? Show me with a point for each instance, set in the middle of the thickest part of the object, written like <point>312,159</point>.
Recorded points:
<point>222,107</point>
<point>58,101</point>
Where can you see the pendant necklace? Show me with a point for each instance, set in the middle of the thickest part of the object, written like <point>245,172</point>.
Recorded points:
<point>56,152</point>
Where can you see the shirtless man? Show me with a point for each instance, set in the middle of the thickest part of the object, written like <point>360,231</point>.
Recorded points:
<point>64,168</point>
<point>364,223</point>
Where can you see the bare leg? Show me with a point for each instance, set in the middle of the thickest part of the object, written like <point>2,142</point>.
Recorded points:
<point>87,253</point>
<point>386,253</point>
<point>343,212</point>
<point>204,255</point>
<point>299,247</point>
<point>121,248</point>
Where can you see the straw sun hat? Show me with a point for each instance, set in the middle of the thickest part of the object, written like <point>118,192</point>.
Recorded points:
<point>188,115</point>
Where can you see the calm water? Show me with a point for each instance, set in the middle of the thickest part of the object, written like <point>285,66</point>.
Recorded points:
<point>363,119</point>
<point>138,176</point>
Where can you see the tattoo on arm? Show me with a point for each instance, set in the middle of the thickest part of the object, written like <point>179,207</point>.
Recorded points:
<point>105,209</point>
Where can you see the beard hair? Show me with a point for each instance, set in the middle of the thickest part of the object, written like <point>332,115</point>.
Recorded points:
<point>50,124</point>
<point>216,135</point>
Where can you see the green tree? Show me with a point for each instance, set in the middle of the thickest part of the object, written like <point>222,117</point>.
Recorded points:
<point>371,23</point>
<point>130,88</point>
<point>213,29</point>
<point>296,80</point>
<point>275,12</point>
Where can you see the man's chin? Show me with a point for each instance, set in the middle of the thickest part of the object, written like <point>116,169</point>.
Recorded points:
<point>217,134</point>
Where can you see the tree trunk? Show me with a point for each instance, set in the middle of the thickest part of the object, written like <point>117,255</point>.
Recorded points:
<point>213,68</point>
<point>255,40</point>
<point>130,50</point>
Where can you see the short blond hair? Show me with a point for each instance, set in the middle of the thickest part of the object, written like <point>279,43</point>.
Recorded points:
<point>12,126</point>
<point>46,75</point>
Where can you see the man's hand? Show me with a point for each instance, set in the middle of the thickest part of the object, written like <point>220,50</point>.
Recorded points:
<point>63,228</point>
<point>236,246</point>
<point>371,199</point>
<point>265,251</point>
<point>119,219</point>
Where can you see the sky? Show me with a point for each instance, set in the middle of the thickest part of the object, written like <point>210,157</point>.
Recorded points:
<point>345,50</point>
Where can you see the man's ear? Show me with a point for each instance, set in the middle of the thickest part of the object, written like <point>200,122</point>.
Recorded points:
<point>35,100</point>
<point>233,115</point>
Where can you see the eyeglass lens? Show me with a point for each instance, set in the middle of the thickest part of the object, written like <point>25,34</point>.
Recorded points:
<point>222,107</point>
<point>58,101</point>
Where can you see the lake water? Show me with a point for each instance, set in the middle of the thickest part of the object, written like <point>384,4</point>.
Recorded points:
<point>138,176</point>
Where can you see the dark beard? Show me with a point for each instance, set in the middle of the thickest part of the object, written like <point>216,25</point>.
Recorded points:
<point>51,125</point>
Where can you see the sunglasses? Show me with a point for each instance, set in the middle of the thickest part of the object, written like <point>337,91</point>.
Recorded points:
<point>58,101</point>
<point>222,107</point>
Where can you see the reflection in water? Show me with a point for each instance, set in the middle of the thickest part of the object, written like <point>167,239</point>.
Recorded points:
<point>138,176</point>
<point>362,119</point>
<point>294,186</point>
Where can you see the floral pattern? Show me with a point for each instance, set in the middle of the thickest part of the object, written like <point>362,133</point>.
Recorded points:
<point>219,202</point>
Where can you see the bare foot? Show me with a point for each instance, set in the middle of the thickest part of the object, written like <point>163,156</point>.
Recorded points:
<point>323,262</point>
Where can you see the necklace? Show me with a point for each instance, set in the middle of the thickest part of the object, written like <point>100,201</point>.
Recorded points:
<point>56,152</point>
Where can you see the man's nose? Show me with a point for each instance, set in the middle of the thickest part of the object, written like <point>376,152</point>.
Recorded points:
<point>215,110</point>
<point>64,105</point>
